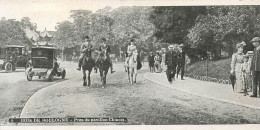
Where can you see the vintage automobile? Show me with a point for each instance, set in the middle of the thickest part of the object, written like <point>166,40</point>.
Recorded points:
<point>7,60</point>
<point>43,64</point>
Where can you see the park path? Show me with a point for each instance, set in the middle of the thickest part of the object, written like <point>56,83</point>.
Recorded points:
<point>210,90</point>
<point>145,102</point>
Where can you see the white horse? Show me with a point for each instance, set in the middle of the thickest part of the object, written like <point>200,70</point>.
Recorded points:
<point>132,67</point>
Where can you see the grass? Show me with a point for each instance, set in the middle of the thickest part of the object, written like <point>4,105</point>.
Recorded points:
<point>216,69</point>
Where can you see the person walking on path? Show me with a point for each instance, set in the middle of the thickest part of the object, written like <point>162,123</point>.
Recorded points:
<point>157,62</point>
<point>236,65</point>
<point>83,48</point>
<point>181,61</point>
<point>255,66</point>
<point>171,63</point>
<point>246,72</point>
<point>151,62</point>
<point>163,60</point>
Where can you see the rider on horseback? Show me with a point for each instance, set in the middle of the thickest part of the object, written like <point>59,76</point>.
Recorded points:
<point>105,48</point>
<point>86,46</point>
<point>130,49</point>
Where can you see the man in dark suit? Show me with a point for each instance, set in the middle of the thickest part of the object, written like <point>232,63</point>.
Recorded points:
<point>255,65</point>
<point>151,62</point>
<point>181,61</point>
<point>171,63</point>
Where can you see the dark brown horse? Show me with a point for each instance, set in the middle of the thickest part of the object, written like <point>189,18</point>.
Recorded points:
<point>87,65</point>
<point>103,65</point>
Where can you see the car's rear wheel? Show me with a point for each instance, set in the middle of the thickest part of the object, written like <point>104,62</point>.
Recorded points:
<point>8,67</point>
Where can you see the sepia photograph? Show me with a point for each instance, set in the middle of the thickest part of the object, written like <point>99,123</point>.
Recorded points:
<point>129,63</point>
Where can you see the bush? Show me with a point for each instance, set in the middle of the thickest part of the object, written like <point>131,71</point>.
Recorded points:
<point>217,69</point>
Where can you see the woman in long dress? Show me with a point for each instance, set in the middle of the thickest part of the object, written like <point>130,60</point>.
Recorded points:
<point>157,62</point>
<point>236,65</point>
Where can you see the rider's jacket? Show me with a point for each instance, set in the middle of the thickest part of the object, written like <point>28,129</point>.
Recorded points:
<point>104,48</point>
<point>86,45</point>
<point>131,49</point>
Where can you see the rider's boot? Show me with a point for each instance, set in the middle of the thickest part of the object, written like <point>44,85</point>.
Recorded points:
<point>79,66</point>
<point>111,68</point>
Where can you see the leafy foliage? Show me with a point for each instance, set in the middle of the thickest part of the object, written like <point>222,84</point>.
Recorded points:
<point>11,32</point>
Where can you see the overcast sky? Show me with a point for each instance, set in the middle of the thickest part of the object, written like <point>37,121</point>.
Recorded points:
<point>46,13</point>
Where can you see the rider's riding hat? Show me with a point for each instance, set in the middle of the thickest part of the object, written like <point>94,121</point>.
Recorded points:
<point>103,39</point>
<point>86,37</point>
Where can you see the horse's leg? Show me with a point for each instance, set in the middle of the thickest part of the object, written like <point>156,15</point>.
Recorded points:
<point>84,77</point>
<point>128,74</point>
<point>131,76</point>
<point>89,82</point>
<point>101,74</point>
<point>135,74</point>
<point>103,79</point>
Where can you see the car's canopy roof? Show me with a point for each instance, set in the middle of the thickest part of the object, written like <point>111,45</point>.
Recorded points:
<point>43,47</point>
<point>17,46</point>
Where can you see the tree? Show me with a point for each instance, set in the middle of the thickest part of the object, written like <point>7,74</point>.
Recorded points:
<point>172,23</point>
<point>11,32</point>
<point>81,21</point>
<point>66,35</point>
<point>132,23</point>
<point>222,28</point>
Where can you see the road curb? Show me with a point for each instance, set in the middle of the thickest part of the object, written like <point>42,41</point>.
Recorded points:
<point>203,96</point>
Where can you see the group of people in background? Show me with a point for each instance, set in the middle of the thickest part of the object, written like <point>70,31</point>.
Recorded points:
<point>246,68</point>
<point>172,61</point>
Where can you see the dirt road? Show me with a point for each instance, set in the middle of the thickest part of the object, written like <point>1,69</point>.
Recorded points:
<point>15,90</point>
<point>142,103</point>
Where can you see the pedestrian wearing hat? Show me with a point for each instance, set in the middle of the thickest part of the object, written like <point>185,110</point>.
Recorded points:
<point>236,65</point>
<point>85,47</point>
<point>246,73</point>
<point>151,62</point>
<point>171,63</point>
<point>181,61</point>
<point>255,66</point>
<point>105,49</point>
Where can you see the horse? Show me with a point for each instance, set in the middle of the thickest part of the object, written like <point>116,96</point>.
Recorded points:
<point>87,64</point>
<point>132,67</point>
<point>103,65</point>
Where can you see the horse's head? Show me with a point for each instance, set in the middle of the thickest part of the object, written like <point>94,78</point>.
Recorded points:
<point>103,54</point>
